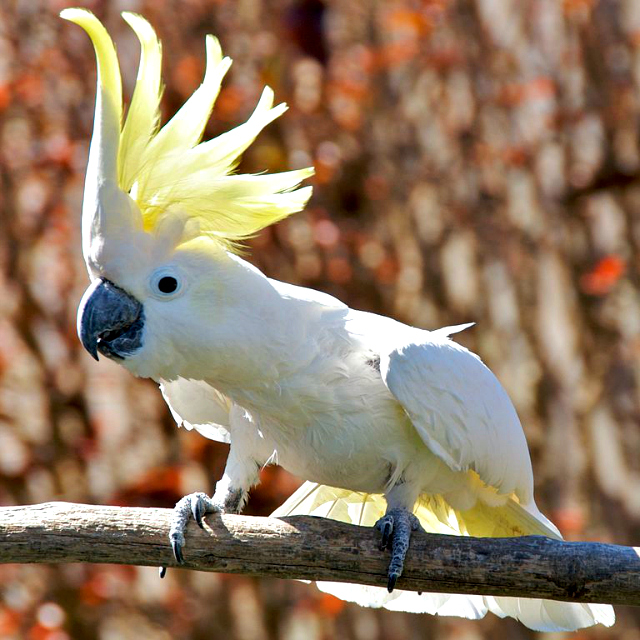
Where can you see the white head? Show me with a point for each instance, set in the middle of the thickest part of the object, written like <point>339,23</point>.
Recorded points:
<point>163,212</point>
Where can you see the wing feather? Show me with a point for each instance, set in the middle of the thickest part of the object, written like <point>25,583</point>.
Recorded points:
<point>460,410</point>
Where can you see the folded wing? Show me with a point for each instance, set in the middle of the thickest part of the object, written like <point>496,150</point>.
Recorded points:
<point>460,410</point>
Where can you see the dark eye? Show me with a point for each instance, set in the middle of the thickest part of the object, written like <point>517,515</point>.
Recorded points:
<point>167,284</point>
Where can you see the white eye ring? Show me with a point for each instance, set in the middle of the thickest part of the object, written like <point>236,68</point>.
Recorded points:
<point>166,283</point>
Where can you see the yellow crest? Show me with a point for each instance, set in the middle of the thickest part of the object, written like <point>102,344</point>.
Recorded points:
<point>168,170</point>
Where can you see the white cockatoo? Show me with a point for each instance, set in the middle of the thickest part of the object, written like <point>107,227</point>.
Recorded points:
<point>388,424</point>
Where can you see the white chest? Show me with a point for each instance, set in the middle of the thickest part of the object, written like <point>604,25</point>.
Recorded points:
<point>347,432</point>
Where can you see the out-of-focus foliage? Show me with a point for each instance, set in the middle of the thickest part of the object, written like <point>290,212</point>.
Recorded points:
<point>477,160</point>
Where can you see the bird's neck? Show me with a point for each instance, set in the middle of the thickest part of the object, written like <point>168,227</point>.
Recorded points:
<point>271,335</point>
<point>256,334</point>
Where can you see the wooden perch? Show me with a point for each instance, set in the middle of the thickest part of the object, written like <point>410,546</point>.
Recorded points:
<point>305,547</point>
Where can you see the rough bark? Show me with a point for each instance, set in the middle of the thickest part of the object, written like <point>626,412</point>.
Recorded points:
<point>305,547</point>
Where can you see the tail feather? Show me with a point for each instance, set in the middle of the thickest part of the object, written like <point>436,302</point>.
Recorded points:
<point>437,516</point>
<point>551,615</point>
<point>507,520</point>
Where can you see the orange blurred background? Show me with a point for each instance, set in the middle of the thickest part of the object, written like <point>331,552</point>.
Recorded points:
<point>476,161</point>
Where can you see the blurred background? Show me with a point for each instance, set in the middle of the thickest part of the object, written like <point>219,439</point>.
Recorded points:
<point>477,160</point>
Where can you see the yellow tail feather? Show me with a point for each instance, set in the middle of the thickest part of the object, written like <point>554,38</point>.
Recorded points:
<point>437,516</point>
<point>434,513</point>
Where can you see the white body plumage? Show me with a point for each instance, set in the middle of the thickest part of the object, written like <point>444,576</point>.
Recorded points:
<point>308,387</point>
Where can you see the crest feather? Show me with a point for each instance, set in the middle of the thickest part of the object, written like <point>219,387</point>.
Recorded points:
<point>185,129</point>
<point>168,171</point>
<point>143,116</point>
<point>103,154</point>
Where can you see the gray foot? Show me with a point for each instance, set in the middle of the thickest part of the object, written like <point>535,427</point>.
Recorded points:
<point>195,505</point>
<point>396,527</point>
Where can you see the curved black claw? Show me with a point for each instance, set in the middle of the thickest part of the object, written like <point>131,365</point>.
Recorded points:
<point>385,525</point>
<point>162,572</point>
<point>396,527</point>
<point>176,547</point>
<point>199,509</point>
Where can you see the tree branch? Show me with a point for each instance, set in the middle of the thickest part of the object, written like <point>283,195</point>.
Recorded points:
<point>305,547</point>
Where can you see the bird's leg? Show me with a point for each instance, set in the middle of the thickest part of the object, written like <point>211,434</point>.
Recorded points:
<point>230,496</point>
<point>397,525</point>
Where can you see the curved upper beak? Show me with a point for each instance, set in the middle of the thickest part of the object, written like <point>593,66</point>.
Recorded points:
<point>110,321</point>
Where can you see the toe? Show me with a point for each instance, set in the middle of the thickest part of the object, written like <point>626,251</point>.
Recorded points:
<point>393,578</point>
<point>387,534</point>
<point>177,542</point>
<point>415,523</point>
<point>198,508</point>
<point>385,526</point>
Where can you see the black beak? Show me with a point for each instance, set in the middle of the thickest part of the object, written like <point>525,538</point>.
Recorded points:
<point>110,321</point>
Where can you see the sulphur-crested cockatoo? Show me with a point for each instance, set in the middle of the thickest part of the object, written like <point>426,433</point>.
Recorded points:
<point>390,425</point>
